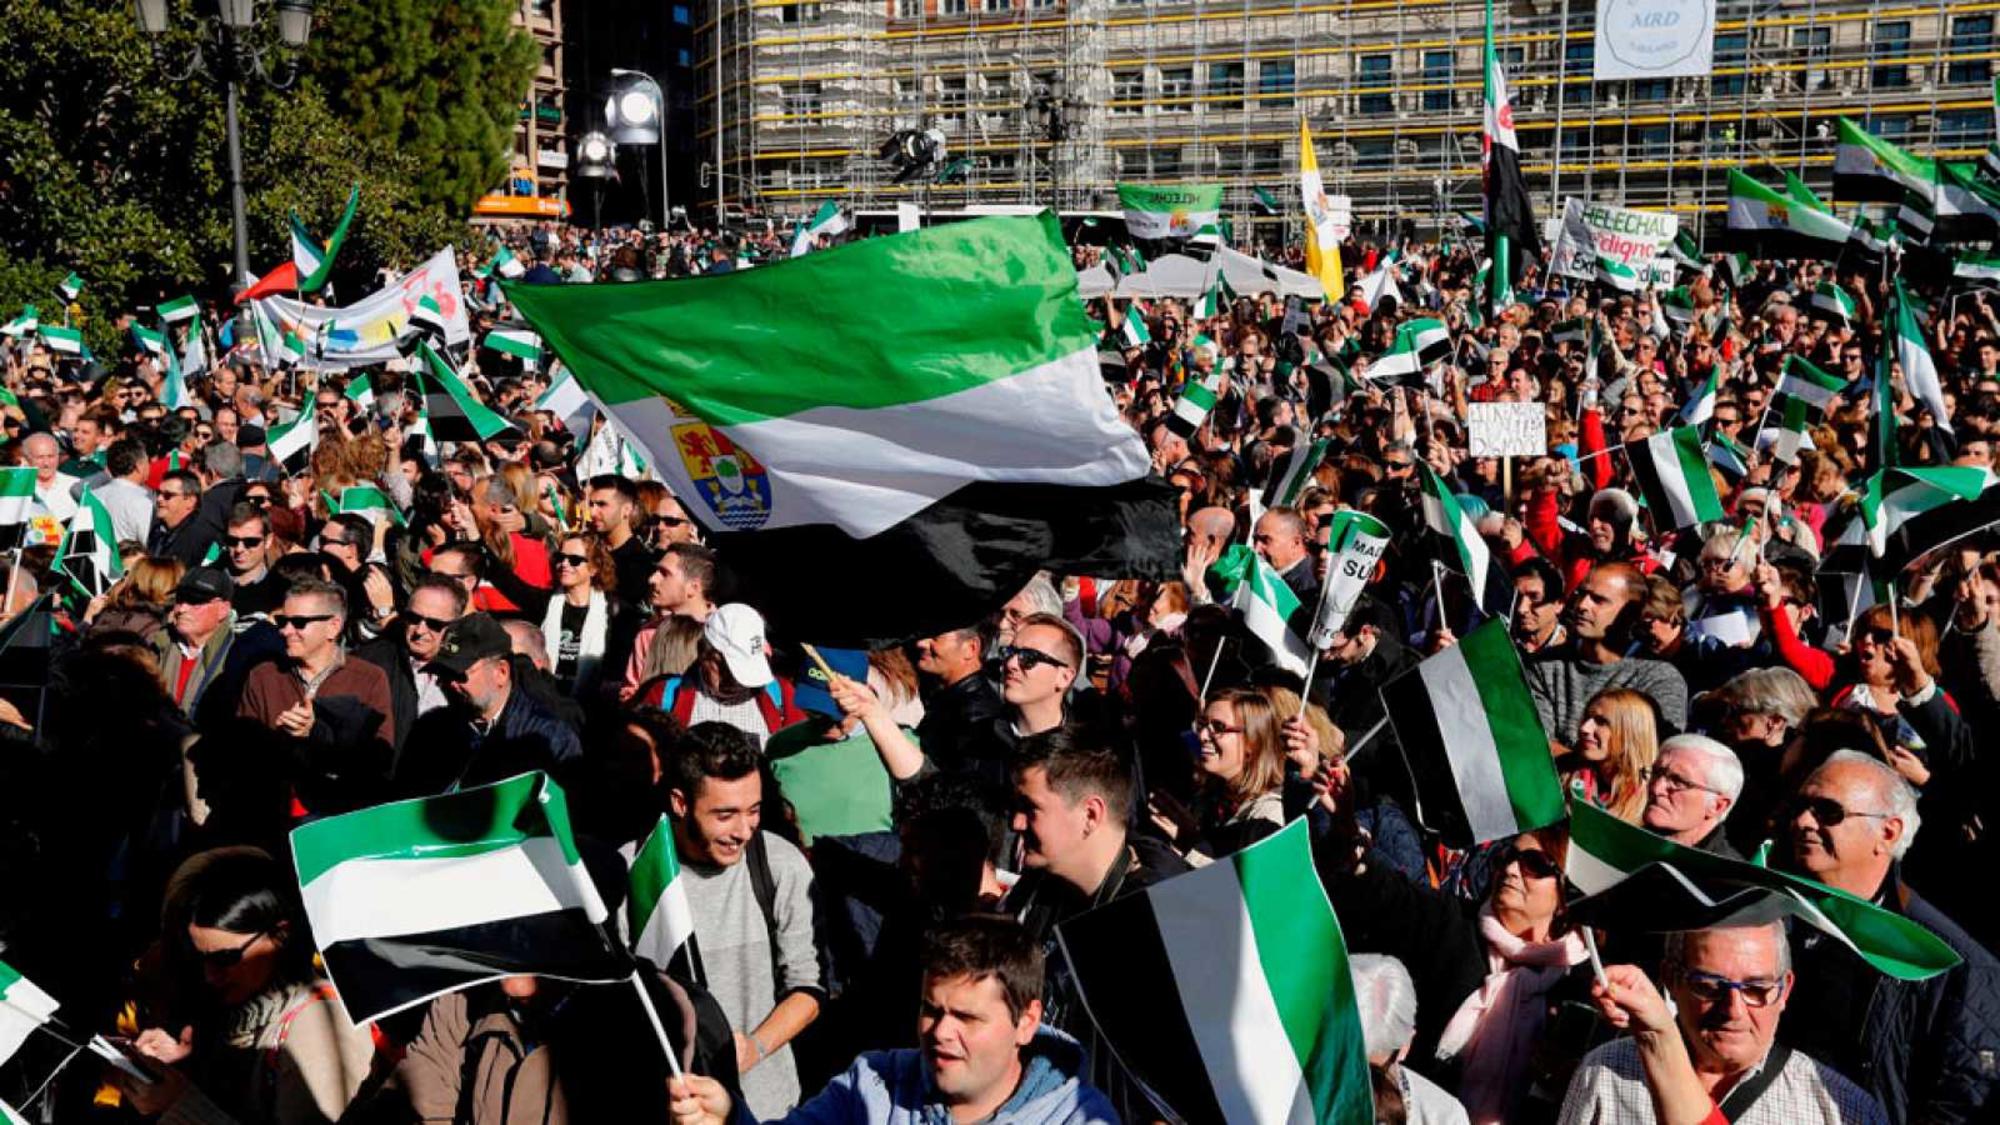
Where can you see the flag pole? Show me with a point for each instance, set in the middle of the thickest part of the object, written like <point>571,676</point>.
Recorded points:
<point>659,1029</point>
<point>1312,665</point>
<point>1213,662</point>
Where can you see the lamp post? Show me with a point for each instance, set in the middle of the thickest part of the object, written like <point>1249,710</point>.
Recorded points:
<point>595,157</point>
<point>226,51</point>
<point>637,115</point>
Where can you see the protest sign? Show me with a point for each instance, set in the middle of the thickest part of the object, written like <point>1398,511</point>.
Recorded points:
<point>1631,238</point>
<point>365,332</point>
<point>1508,429</point>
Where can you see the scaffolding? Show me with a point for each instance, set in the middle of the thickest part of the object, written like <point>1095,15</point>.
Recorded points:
<point>800,96</point>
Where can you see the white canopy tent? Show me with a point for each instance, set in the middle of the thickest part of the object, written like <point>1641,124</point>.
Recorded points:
<point>1177,275</point>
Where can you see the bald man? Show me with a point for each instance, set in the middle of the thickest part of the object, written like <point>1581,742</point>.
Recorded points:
<point>1209,533</point>
<point>1280,540</point>
<point>54,488</point>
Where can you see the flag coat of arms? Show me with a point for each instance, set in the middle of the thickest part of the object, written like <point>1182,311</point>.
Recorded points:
<point>1768,222</point>
<point>1474,740</point>
<point>413,899</point>
<point>1511,238</point>
<point>1226,990</point>
<point>89,552</point>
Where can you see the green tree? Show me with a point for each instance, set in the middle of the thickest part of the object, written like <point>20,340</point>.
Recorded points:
<point>443,83</point>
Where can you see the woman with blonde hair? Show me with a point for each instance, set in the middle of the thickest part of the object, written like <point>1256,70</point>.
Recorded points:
<point>138,603</point>
<point>1240,794</point>
<point>1616,744</point>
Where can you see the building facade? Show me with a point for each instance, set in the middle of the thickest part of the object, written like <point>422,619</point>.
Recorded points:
<point>537,184</point>
<point>1057,101</point>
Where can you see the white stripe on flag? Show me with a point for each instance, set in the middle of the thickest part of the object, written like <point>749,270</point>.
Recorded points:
<point>1469,746</point>
<point>367,898</point>
<point>1667,463</point>
<point>1589,873</point>
<point>670,926</point>
<point>1206,930</point>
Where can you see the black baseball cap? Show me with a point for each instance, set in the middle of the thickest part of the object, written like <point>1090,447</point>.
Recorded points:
<point>470,640</point>
<point>204,584</point>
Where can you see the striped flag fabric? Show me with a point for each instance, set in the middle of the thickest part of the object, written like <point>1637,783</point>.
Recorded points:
<point>18,504</point>
<point>1197,399</point>
<point>1830,302</point>
<point>1916,219</point>
<point>1633,879</point>
<point>1512,239</point>
<point>1003,386</point>
<point>1701,407</point>
<point>1793,419</point>
<point>1672,472</point>
<point>426,323</point>
<point>71,287</point>
<point>1574,331</point>
<point>657,909</point>
<point>1920,372</point>
<point>1291,477</point>
<point>1618,275</point>
<point>455,413</point>
<point>413,899</point>
<point>1268,607</point>
<point>1974,265</point>
<point>1894,497</point>
<point>1867,168</point>
<point>1678,305</point>
<point>505,264</point>
<point>23,1008</point>
<point>1226,990</point>
<point>89,549</point>
<point>1728,456</point>
<point>63,341</point>
<point>370,501</point>
<point>827,221</point>
<point>178,310</point>
<point>1373,288</point>
<point>149,340</point>
<point>1474,741</point>
<point>292,443</point>
<point>361,392</point>
<point>1355,542</point>
<point>1468,553</point>
<point>1132,332</point>
<point>567,400</point>
<point>313,260</point>
<point>24,324</point>
<point>1418,344</point>
<point>1767,223</point>
<point>1807,382</point>
<point>517,342</point>
<point>1321,235</point>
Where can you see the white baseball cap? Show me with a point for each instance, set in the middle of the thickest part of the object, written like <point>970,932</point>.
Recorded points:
<point>737,632</point>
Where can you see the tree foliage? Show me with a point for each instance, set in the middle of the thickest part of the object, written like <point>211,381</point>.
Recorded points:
<point>441,82</point>
<point>111,167</point>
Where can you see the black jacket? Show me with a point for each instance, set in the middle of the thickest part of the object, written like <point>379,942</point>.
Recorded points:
<point>1928,1050</point>
<point>447,752</point>
<point>387,653</point>
<point>957,728</point>
<point>1353,700</point>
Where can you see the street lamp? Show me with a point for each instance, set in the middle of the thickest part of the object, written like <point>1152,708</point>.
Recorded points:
<point>225,51</point>
<point>636,114</point>
<point>595,161</point>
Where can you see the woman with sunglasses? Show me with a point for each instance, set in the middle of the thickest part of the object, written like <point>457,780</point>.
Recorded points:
<point>578,621</point>
<point>250,1032</point>
<point>1895,672</point>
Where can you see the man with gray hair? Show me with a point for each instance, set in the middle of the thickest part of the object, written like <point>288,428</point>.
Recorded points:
<point>1930,1050</point>
<point>1715,1051</point>
<point>1038,596</point>
<point>1690,789</point>
<point>1387,999</point>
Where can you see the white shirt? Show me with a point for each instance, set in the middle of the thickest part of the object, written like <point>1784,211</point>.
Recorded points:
<point>1610,1087</point>
<point>130,507</point>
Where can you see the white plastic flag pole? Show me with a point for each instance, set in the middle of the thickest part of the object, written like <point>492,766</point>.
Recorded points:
<point>660,1029</point>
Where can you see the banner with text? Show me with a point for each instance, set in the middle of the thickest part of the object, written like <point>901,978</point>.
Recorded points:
<point>1654,39</point>
<point>1169,210</point>
<point>1632,239</point>
<point>365,332</point>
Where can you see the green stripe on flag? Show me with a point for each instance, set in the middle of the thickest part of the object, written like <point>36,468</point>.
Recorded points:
<point>1532,786</point>
<point>456,826</point>
<point>1305,957</point>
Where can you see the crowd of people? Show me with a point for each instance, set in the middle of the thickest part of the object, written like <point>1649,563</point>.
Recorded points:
<point>880,852</point>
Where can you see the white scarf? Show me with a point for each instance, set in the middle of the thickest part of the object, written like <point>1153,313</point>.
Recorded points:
<point>589,644</point>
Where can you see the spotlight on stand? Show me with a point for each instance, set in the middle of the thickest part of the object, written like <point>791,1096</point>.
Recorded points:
<point>913,153</point>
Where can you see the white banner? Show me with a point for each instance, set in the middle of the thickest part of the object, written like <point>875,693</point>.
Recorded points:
<point>1341,207</point>
<point>1589,231</point>
<point>1507,429</point>
<point>365,332</point>
<point>1654,39</point>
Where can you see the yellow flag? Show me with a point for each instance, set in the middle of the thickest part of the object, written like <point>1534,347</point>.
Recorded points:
<point>1322,248</point>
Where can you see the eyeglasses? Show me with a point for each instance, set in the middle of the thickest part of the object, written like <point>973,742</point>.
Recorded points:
<point>1215,729</point>
<point>1720,420</point>
<point>243,540</point>
<point>325,542</point>
<point>1713,989</point>
<point>1029,657</point>
<point>1674,783</point>
<point>1723,562</point>
<point>1827,811</point>
<point>1879,636</point>
<point>1534,862</point>
<point>229,958</point>
<point>257,499</point>
<point>434,624</point>
<point>298,621</point>
<point>175,495</point>
<point>573,560</point>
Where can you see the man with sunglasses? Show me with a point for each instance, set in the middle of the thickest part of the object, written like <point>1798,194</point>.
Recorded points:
<point>331,714</point>
<point>405,650</point>
<point>178,531</point>
<point>1716,1049</point>
<point>1927,1049</point>
<point>246,552</point>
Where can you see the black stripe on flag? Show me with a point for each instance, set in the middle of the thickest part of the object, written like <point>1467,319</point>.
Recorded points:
<point>1918,535</point>
<point>1414,716</point>
<point>377,976</point>
<point>1133,1002</point>
<point>1659,898</point>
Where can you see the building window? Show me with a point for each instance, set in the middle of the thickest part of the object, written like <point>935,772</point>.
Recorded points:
<point>1002,164</point>
<point>1166,162</point>
<point>1970,35</point>
<point>800,98</point>
<point>1041,3</point>
<point>1651,90</point>
<point>1648,142</point>
<point>1375,72</point>
<point>1373,153</point>
<point>1176,88</point>
<point>1128,92</point>
<point>798,13</point>
<point>1229,159</point>
<point>682,16</point>
<point>1276,79</point>
<point>1965,128</point>
<point>1731,50</point>
<point>997,5</point>
<point>684,57</point>
<point>1578,59</point>
<point>1892,41</point>
<point>1814,44</point>
<point>909,9</point>
<point>1576,141</point>
<point>1437,81</point>
<point>951,91</point>
<point>905,91</point>
<point>952,7</point>
<point>1225,82</point>
<point>1889,128</point>
<point>1266,158</point>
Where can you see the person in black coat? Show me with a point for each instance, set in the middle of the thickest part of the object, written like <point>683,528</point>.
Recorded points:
<point>406,648</point>
<point>1364,656</point>
<point>493,730</point>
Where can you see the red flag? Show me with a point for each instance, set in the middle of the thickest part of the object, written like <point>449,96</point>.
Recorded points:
<point>282,279</point>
